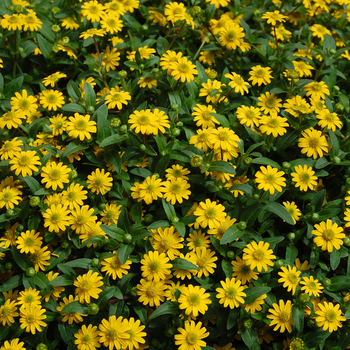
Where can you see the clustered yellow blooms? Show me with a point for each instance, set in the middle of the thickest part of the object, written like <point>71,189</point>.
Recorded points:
<point>77,203</point>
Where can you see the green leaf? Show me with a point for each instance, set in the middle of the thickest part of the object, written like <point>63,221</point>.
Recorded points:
<point>115,160</point>
<point>231,234</point>
<point>124,252</point>
<point>183,264</point>
<point>141,312</point>
<point>113,139</point>
<point>131,22</point>
<point>158,224</point>
<point>169,210</point>
<point>201,72</point>
<point>73,91</point>
<point>232,318</point>
<point>316,338</point>
<point>169,307</point>
<point>73,107</point>
<point>82,263</point>
<point>106,295</point>
<point>12,283</point>
<point>21,259</point>
<point>339,283</point>
<point>90,96</point>
<point>162,45</point>
<point>72,148</point>
<point>298,317</point>
<point>265,161</point>
<point>281,211</point>
<point>180,227</point>
<point>254,293</point>
<point>223,167</point>
<point>227,268</point>
<point>334,143</point>
<point>209,12</point>
<point>321,163</point>
<point>329,43</point>
<point>33,184</point>
<point>41,280</point>
<point>62,281</point>
<point>335,259</point>
<point>136,212</point>
<point>251,339</point>
<point>74,307</point>
<point>247,189</point>
<point>103,128</point>
<point>93,240</point>
<point>291,254</point>
<point>62,254</point>
<point>44,46</point>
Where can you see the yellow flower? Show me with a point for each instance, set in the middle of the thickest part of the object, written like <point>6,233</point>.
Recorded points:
<point>231,294</point>
<point>292,210</point>
<point>88,286</point>
<point>167,60</point>
<point>9,197</point>
<point>270,179</point>
<point>150,189</point>
<point>82,219</point>
<point>167,241</point>
<point>320,31</point>
<point>329,235</point>
<point>183,70</point>
<point>193,300</point>
<point>176,190</point>
<point>311,286</point>
<point>313,143</point>
<point>29,241</point>
<point>55,175</point>
<point>24,104</point>
<point>190,337</point>
<point>7,312</point>
<point>269,103</point>
<point>111,213</point>
<point>113,266</point>
<point>151,292</point>
<point>73,196</point>
<point>51,99</point>
<point>114,332</point>
<point>329,316</point>
<point>147,82</point>
<point>117,98</point>
<point>56,218</point>
<point>14,345</point>
<point>260,75</point>
<point>242,271</point>
<point>81,126</point>
<point>237,83</point>
<point>304,177</point>
<point>258,255</point>
<point>93,11</point>
<point>175,11</point>
<point>290,278</point>
<point>136,334</point>
<point>274,17</point>
<point>328,120</point>
<point>281,316</point>
<point>72,316</point>
<point>231,36</point>
<point>316,90</point>
<point>144,122</point>
<point>99,181</point>
<point>248,116</point>
<point>53,79</point>
<point>87,338</point>
<point>155,266</point>
<point>31,318</point>
<point>210,214</point>
<point>12,22</point>
<point>111,24</point>
<point>205,261</point>
<point>273,124</point>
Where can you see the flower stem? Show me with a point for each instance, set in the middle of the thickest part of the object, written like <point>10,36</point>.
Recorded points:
<point>177,34</point>
<point>200,48</point>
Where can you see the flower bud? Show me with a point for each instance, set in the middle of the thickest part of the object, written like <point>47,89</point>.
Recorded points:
<point>55,28</point>
<point>196,161</point>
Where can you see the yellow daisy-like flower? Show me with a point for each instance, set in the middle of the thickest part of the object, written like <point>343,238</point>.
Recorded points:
<point>74,196</point>
<point>260,75</point>
<point>31,318</point>
<point>258,255</point>
<point>281,316</point>
<point>183,70</point>
<point>203,116</point>
<point>29,241</point>
<point>155,266</point>
<point>313,143</point>
<point>198,240</point>
<point>58,124</point>
<point>87,338</point>
<point>190,337</point>
<point>209,214</point>
<point>320,31</point>
<point>56,218</point>
<point>82,219</point>
<point>12,22</point>
<point>178,172</point>
<point>205,261</point>
<point>151,293</point>
<point>93,10</point>
<point>242,271</point>
<point>9,197</point>
<point>113,266</point>
<point>328,120</point>
<point>304,177</point>
<point>144,122</point>
<point>231,294</point>
<point>24,163</point>
<point>231,35</point>
<point>329,235</point>
<point>329,316</point>
<point>150,189</point>
<point>167,241</point>
<point>175,11</point>
<point>7,312</point>
<point>193,300</point>
<point>88,286</point>
<point>292,210</point>
<point>51,99</point>
<point>269,103</point>
<point>147,82</point>
<point>255,305</point>
<point>117,98</point>
<point>23,103</point>
<point>237,83</point>
<point>111,24</point>
<point>274,17</point>
<point>92,32</point>
<point>167,60</point>
<point>114,332</point>
<point>248,116</point>
<point>55,175</point>
<point>273,124</point>
<point>136,334</point>
<point>14,345</point>
<point>290,278</point>
<point>176,190</point>
<point>311,286</point>
<point>72,316</point>
<point>53,79</point>
<point>270,179</point>
<point>316,90</point>
<point>81,126</point>
<point>10,148</point>
<point>201,139</point>
<point>99,181</point>
<point>111,213</point>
